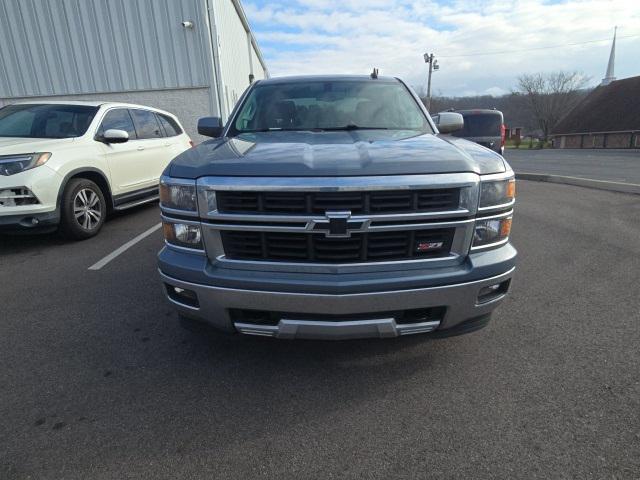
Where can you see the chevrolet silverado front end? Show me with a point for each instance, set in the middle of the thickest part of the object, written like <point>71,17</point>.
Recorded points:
<point>352,219</point>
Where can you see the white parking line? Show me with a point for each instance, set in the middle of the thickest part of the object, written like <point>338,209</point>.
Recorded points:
<point>101,263</point>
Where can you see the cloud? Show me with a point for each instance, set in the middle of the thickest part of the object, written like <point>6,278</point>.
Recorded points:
<point>352,36</point>
<point>495,91</point>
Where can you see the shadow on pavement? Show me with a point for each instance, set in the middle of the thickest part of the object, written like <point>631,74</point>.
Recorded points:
<point>27,241</point>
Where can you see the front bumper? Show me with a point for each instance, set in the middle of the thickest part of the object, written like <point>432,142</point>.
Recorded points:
<point>301,312</point>
<point>29,220</point>
<point>44,183</point>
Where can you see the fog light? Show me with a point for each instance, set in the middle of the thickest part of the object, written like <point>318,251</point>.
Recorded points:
<point>491,292</point>
<point>183,296</point>
<point>29,222</point>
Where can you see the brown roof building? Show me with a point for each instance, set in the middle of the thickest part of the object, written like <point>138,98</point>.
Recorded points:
<point>609,117</point>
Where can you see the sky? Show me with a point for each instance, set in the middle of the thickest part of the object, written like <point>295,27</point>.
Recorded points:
<point>353,36</point>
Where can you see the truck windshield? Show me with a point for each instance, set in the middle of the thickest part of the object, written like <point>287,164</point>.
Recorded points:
<point>45,120</point>
<point>480,125</point>
<point>329,105</point>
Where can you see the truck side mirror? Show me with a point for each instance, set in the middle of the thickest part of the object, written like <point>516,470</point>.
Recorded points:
<point>210,126</point>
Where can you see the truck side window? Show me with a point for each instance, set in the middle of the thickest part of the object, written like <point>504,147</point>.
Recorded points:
<point>248,113</point>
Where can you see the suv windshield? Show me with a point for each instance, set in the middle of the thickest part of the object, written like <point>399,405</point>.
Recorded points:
<point>480,125</point>
<point>45,120</point>
<point>329,105</point>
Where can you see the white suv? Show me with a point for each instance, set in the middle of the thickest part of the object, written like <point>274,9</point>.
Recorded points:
<point>70,163</point>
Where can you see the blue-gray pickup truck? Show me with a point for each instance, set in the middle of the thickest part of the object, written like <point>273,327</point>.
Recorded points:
<point>332,207</point>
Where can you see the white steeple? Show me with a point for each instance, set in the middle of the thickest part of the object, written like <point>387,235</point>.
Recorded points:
<point>609,76</point>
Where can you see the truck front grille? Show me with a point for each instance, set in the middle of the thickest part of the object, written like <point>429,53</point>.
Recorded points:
<point>315,247</point>
<point>313,203</point>
<point>366,223</point>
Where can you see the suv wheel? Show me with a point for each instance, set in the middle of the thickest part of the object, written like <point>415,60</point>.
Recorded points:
<point>83,209</point>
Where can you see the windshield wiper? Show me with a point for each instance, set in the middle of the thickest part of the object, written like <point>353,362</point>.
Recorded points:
<point>350,126</point>
<point>277,129</point>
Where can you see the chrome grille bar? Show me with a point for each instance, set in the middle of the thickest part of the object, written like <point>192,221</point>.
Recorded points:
<point>460,219</point>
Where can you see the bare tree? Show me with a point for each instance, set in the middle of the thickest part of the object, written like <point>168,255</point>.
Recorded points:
<point>551,95</point>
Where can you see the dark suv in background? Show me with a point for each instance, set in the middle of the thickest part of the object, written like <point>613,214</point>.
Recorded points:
<point>485,127</point>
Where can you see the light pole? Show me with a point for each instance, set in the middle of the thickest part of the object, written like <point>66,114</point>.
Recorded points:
<point>433,65</point>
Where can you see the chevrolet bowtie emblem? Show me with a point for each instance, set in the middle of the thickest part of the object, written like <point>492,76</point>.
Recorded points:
<point>338,224</point>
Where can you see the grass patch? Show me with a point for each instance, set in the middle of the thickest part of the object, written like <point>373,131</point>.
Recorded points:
<point>526,144</point>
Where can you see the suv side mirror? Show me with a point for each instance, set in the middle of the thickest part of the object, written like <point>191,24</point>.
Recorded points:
<point>210,126</point>
<point>114,135</point>
<point>448,122</point>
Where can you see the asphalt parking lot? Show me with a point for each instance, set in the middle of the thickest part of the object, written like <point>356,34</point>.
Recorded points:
<point>610,165</point>
<point>99,380</point>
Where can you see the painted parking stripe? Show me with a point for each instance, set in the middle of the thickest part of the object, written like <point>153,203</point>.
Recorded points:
<point>119,251</point>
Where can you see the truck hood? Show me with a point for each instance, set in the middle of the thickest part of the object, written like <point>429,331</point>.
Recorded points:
<point>11,145</point>
<point>328,154</point>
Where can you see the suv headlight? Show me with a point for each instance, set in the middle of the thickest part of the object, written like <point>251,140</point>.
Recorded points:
<point>494,193</point>
<point>12,164</point>
<point>178,194</point>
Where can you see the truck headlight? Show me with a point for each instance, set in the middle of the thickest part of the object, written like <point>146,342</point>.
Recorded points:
<point>489,231</point>
<point>497,192</point>
<point>178,194</point>
<point>183,234</point>
<point>12,164</point>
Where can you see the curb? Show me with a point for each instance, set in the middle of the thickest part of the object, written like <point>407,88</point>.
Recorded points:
<point>581,182</point>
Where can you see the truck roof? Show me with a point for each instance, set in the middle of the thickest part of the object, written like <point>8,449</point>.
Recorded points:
<point>327,78</point>
<point>474,111</point>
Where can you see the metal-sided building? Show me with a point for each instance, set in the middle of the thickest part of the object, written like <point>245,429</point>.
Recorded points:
<point>190,57</point>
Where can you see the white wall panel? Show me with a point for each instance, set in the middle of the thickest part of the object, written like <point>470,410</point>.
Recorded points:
<point>61,47</point>
<point>233,45</point>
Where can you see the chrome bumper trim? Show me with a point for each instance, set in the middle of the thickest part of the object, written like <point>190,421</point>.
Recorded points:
<point>318,330</point>
<point>339,184</point>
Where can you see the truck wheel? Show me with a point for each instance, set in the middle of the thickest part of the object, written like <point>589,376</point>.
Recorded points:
<point>83,209</point>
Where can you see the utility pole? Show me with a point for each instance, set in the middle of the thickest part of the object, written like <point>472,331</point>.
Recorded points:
<point>433,65</point>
